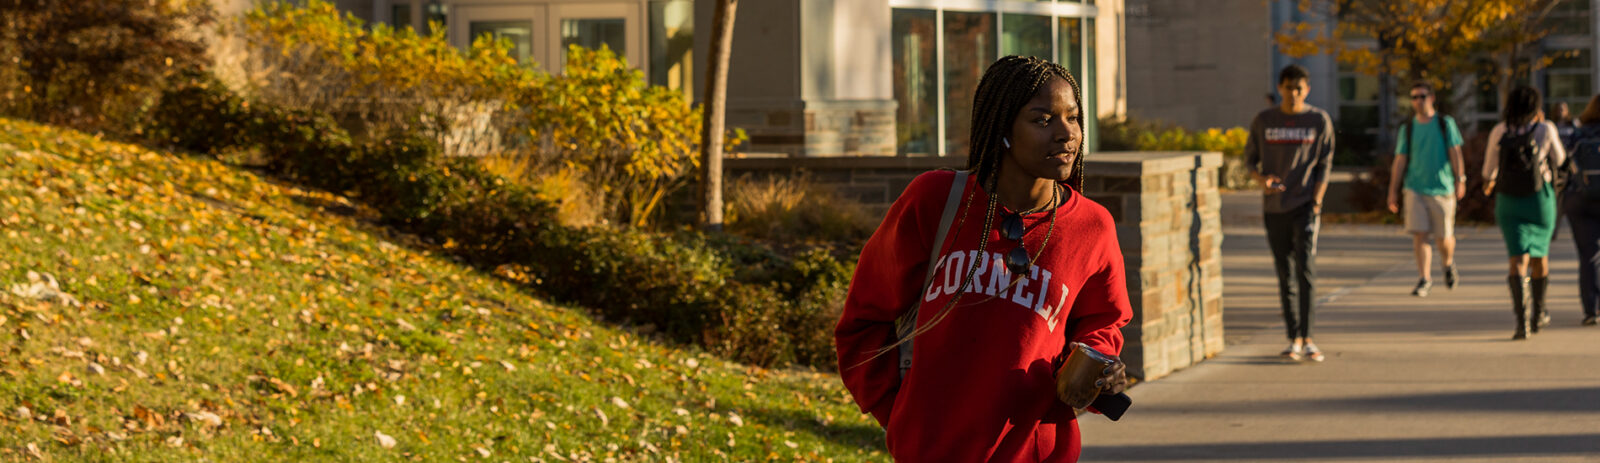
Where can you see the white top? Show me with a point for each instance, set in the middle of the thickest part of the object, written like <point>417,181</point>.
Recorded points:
<point>1549,143</point>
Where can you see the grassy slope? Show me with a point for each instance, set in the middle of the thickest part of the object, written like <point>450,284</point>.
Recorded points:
<point>306,330</point>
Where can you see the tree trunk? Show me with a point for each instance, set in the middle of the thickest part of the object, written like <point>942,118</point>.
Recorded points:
<point>716,96</point>
<point>1386,109</point>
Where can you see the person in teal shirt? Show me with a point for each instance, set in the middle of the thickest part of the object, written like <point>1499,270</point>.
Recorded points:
<point>1428,153</point>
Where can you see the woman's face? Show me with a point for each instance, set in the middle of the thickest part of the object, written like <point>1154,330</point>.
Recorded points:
<point>1047,135</point>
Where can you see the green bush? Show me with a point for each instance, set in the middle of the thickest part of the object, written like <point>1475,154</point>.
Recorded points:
<point>732,296</point>
<point>633,144</point>
<point>1129,134</point>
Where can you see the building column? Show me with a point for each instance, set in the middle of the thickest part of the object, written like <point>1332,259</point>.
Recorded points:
<point>811,78</point>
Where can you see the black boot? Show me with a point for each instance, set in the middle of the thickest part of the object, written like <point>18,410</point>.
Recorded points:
<point>1536,291</point>
<point>1519,304</point>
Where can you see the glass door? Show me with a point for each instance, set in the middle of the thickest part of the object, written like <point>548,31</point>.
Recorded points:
<point>617,26</point>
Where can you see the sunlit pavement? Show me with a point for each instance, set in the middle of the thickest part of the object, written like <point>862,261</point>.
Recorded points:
<point>1406,378</point>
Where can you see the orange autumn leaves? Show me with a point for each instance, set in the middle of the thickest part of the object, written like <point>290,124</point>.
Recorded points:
<point>1432,40</point>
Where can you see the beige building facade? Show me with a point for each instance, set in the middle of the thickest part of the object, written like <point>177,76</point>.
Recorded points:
<point>1200,64</point>
<point>811,78</point>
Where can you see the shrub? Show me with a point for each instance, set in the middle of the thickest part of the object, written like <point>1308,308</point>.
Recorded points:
<point>377,79</point>
<point>95,65</point>
<point>779,209</point>
<point>604,120</point>
<point>736,298</point>
<point>564,188</point>
<point>1135,135</point>
<point>634,144</point>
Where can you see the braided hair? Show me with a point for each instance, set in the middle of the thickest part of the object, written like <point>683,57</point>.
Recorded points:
<point>1006,87</point>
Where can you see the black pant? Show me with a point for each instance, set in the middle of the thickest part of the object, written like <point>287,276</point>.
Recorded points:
<point>1293,238</point>
<point>1585,219</point>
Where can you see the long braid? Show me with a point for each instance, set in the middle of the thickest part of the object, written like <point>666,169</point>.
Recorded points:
<point>1006,86</point>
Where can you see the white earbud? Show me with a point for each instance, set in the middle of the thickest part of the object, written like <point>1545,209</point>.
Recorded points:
<point>1006,141</point>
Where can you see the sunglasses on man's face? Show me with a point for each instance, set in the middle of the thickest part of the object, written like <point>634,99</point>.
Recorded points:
<point>1017,259</point>
<point>1419,96</point>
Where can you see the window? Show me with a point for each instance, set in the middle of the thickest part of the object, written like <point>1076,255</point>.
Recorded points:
<point>1091,113</point>
<point>1025,35</point>
<point>1570,17</point>
<point>916,82</point>
<point>400,15</point>
<point>519,33</point>
<point>942,47</point>
<point>969,48</point>
<point>1069,49</point>
<point>672,44</point>
<point>437,13</point>
<point>1356,124</point>
<point>593,33</point>
<point>1568,79</point>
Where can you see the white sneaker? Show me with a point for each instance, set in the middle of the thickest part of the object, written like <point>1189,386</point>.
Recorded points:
<point>1313,353</point>
<point>1292,353</point>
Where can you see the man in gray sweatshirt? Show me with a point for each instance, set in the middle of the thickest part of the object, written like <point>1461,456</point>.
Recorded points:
<point>1290,152</point>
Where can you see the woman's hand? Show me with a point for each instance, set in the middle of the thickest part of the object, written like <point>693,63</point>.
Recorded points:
<point>1080,380</point>
<point>1115,379</point>
<point>1488,187</point>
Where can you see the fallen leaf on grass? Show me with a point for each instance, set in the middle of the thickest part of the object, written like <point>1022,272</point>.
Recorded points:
<point>207,418</point>
<point>384,440</point>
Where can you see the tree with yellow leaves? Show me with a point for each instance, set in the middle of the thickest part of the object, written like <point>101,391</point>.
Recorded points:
<point>1433,41</point>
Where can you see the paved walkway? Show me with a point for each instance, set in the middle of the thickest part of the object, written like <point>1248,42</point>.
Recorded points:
<point>1407,379</point>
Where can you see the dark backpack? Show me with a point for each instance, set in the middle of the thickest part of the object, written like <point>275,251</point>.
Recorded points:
<point>1584,165</point>
<point>1521,165</point>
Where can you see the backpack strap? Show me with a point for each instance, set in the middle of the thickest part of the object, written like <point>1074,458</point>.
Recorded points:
<point>907,322</point>
<point>1444,132</point>
<point>1444,137</point>
<point>1411,140</point>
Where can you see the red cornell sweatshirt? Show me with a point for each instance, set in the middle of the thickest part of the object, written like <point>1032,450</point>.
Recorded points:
<point>982,382</point>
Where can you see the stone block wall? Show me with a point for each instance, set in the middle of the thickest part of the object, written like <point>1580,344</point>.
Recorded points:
<point>1168,215</point>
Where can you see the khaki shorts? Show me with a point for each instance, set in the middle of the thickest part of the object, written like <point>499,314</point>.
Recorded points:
<point>1433,215</point>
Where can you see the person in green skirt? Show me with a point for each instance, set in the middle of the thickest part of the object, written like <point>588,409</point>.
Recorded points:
<point>1518,168</point>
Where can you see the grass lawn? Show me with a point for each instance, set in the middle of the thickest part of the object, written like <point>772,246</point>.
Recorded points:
<point>223,316</point>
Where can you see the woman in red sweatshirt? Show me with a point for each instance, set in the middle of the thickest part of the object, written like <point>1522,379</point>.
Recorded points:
<point>1029,266</point>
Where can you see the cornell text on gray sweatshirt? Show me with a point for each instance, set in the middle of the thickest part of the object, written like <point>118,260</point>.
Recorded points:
<point>1297,148</point>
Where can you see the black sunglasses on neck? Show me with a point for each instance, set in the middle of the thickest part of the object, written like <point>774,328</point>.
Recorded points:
<point>1011,228</point>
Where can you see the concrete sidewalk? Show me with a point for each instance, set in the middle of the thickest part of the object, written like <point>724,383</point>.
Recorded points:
<point>1407,379</point>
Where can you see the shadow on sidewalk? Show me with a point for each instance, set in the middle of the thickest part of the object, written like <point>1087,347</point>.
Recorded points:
<point>1552,401</point>
<point>1381,449</point>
